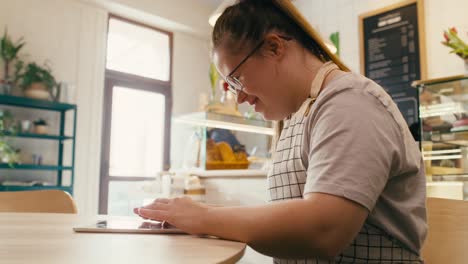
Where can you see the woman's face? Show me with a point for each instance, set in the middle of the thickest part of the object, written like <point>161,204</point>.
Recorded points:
<point>263,76</point>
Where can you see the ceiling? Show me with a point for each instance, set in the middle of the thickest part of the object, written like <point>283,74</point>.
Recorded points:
<point>212,3</point>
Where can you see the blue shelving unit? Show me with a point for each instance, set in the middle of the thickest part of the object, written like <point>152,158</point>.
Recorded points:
<point>68,189</point>
<point>40,136</point>
<point>35,167</point>
<point>61,109</point>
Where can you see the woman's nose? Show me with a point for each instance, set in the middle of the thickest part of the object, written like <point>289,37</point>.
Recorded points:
<point>241,97</point>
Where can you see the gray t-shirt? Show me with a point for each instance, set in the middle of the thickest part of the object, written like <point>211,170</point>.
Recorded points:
<point>354,143</point>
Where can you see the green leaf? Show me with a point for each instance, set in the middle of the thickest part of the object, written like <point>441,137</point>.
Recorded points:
<point>457,45</point>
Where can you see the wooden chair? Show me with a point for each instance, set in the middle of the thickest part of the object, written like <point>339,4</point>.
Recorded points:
<point>447,240</point>
<point>46,201</point>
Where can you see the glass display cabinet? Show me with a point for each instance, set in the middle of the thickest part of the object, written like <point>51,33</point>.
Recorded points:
<point>444,129</point>
<point>213,141</point>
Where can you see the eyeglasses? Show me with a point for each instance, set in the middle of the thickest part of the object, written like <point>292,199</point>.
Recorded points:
<point>235,86</point>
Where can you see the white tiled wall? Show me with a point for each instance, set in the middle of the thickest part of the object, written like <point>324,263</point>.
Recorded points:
<point>237,191</point>
<point>342,15</point>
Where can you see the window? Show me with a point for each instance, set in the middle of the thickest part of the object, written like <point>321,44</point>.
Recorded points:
<point>137,110</point>
<point>137,119</point>
<point>138,50</point>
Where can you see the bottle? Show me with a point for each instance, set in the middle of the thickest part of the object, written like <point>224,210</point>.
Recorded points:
<point>178,184</point>
<point>194,189</point>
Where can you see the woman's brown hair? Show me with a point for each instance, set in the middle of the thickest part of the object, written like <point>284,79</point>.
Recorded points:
<point>247,22</point>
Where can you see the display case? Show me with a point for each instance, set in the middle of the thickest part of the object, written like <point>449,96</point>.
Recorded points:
<point>213,141</point>
<point>444,128</point>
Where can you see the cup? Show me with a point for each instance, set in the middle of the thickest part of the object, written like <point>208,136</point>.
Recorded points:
<point>26,126</point>
<point>36,159</point>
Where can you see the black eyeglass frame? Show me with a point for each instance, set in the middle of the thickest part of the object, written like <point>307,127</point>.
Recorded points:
<point>234,84</point>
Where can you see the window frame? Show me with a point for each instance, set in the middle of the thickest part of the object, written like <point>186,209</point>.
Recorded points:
<point>115,78</point>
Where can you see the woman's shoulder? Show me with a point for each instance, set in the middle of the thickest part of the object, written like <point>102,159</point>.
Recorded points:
<point>355,96</point>
<point>349,82</point>
<point>353,89</point>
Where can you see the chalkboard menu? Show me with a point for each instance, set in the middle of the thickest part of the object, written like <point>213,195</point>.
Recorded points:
<point>393,55</point>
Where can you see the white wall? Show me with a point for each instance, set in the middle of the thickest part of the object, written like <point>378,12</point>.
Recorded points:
<point>71,34</point>
<point>191,65</point>
<point>342,15</point>
<point>188,16</point>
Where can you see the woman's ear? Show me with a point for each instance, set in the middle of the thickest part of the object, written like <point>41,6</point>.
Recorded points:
<point>274,46</point>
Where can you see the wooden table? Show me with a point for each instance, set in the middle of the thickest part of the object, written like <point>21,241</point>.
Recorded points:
<point>49,239</point>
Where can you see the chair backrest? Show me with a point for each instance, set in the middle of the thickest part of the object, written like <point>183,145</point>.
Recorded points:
<point>447,240</point>
<point>44,201</point>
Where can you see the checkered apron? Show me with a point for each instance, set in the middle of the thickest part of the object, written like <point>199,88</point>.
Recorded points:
<point>287,178</point>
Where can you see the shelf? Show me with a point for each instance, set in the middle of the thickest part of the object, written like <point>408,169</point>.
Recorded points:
<point>445,143</point>
<point>456,138</point>
<point>441,109</point>
<point>440,80</point>
<point>68,189</point>
<point>444,183</point>
<point>35,103</point>
<point>34,167</point>
<point>236,123</point>
<point>37,136</point>
<point>450,177</point>
<point>58,168</point>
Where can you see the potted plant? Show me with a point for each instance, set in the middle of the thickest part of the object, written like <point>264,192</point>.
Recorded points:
<point>40,126</point>
<point>7,122</point>
<point>37,81</point>
<point>7,153</point>
<point>214,77</point>
<point>9,53</point>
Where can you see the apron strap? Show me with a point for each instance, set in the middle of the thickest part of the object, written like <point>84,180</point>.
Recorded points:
<point>317,84</point>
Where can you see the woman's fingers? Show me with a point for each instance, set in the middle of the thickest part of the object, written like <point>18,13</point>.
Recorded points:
<point>162,200</point>
<point>151,207</point>
<point>137,212</point>
<point>157,206</point>
<point>156,215</point>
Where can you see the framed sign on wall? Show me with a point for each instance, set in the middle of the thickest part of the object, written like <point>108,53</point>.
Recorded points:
<point>393,54</point>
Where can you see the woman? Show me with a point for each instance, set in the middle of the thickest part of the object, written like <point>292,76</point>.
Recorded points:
<point>347,183</point>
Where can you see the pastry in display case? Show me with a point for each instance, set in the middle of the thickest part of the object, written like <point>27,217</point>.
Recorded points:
<point>444,118</point>
<point>214,141</point>
<point>221,156</point>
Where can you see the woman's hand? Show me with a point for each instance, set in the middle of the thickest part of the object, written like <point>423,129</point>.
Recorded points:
<point>183,213</point>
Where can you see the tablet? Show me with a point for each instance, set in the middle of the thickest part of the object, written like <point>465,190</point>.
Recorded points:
<point>128,226</point>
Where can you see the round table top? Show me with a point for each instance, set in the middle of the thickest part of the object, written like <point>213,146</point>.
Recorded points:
<point>44,238</point>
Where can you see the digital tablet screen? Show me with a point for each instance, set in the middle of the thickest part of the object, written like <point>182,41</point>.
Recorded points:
<point>129,226</point>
